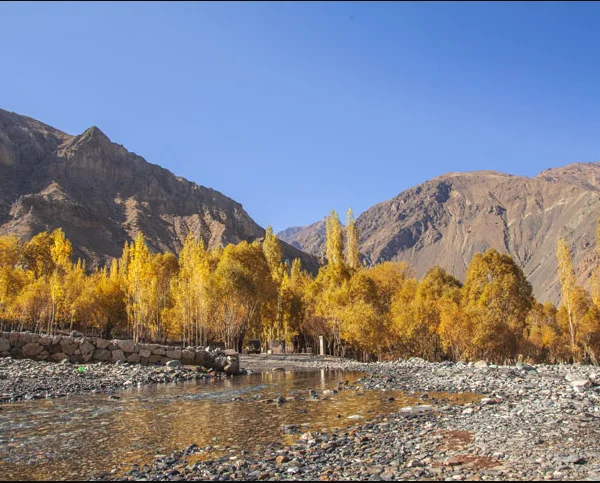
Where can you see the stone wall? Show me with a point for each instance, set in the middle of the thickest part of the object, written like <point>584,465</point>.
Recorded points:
<point>84,349</point>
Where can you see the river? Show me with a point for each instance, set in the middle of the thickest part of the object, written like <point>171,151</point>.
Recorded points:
<point>81,436</point>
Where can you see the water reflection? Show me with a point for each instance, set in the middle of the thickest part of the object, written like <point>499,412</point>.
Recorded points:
<point>81,436</point>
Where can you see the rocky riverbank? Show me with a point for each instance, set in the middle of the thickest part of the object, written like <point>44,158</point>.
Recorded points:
<point>533,422</point>
<point>23,379</point>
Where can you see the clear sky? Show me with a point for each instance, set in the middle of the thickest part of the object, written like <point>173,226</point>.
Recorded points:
<point>295,108</point>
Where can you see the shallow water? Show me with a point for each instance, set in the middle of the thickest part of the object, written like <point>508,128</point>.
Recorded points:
<point>82,436</point>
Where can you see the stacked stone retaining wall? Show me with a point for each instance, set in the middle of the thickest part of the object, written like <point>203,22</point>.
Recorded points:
<point>85,349</point>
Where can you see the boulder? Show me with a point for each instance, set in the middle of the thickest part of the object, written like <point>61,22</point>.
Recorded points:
<point>233,366</point>
<point>4,345</point>
<point>174,354</point>
<point>173,364</point>
<point>101,355</point>
<point>154,358</point>
<point>188,357</point>
<point>86,348</point>
<point>59,356</point>
<point>13,337</point>
<point>133,358</point>
<point>68,345</point>
<point>219,363</point>
<point>117,355</point>
<point>46,340</point>
<point>204,358</point>
<point>55,349</point>
<point>145,353</point>
<point>102,343</point>
<point>159,351</point>
<point>16,351</point>
<point>127,346</point>
<point>480,364</point>
<point>32,349</point>
<point>25,337</point>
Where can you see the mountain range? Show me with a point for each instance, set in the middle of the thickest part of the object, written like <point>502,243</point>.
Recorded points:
<point>102,195</point>
<point>446,220</point>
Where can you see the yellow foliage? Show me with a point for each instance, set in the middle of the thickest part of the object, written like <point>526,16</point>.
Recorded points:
<point>244,291</point>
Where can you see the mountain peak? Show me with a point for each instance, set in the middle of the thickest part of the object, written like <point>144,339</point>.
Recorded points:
<point>94,132</point>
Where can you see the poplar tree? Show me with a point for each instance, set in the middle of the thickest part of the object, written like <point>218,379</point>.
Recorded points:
<point>566,275</point>
<point>273,254</point>
<point>352,253</point>
<point>335,240</point>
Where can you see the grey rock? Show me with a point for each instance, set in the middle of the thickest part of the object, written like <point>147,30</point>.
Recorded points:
<point>133,358</point>
<point>174,354</point>
<point>4,345</point>
<point>145,353</point>
<point>127,346</point>
<point>117,355</point>
<point>102,343</point>
<point>188,357</point>
<point>102,355</point>
<point>32,349</point>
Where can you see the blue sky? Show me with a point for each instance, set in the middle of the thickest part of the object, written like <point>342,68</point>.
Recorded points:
<point>295,108</point>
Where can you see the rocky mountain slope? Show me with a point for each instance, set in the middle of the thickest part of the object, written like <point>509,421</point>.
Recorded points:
<point>446,220</point>
<point>102,195</point>
<point>313,237</point>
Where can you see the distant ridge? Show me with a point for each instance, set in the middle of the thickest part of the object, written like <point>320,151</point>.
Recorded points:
<point>446,220</point>
<point>102,195</point>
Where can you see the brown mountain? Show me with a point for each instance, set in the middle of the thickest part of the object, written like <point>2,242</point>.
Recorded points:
<point>102,195</point>
<point>311,236</point>
<point>446,220</point>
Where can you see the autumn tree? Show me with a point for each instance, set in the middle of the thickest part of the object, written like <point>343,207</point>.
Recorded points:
<point>103,301</point>
<point>140,287</point>
<point>11,276</point>
<point>237,289</point>
<point>496,300</point>
<point>543,333</point>
<point>352,253</point>
<point>188,317</point>
<point>273,314</point>
<point>294,289</point>
<point>334,240</point>
<point>37,255</point>
<point>566,276</point>
<point>418,315</point>
<point>165,267</point>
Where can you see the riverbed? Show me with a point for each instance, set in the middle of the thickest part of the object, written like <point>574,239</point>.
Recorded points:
<point>83,435</point>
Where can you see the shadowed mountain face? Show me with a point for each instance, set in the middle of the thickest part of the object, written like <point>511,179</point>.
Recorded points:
<point>102,195</point>
<point>446,220</point>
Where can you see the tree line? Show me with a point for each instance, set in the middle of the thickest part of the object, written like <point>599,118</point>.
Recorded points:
<point>245,291</point>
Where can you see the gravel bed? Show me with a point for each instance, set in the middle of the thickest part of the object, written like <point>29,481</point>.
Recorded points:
<point>23,379</point>
<point>533,422</point>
